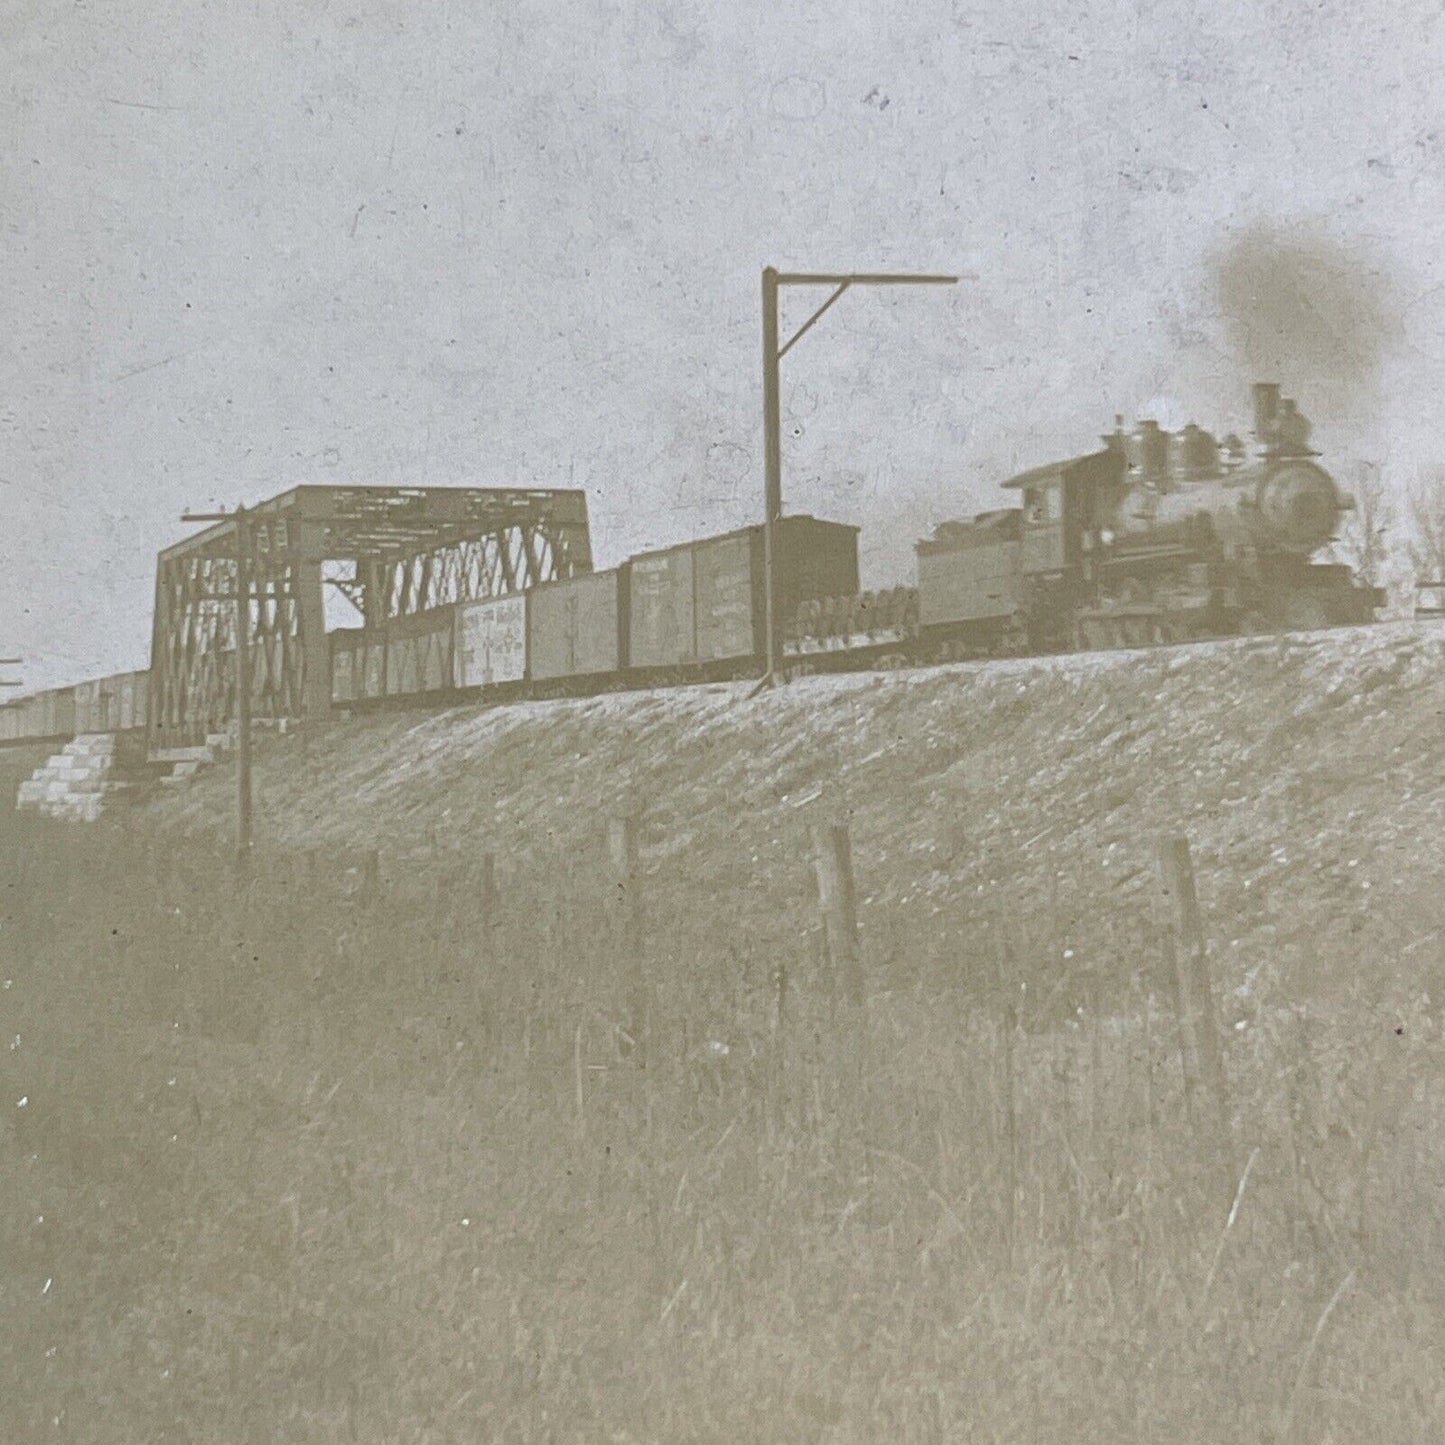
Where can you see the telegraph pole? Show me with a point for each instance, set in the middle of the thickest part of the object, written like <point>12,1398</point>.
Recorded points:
<point>242,521</point>
<point>772,414</point>
<point>243,685</point>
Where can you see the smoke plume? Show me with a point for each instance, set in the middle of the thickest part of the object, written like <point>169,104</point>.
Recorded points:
<point>1308,311</point>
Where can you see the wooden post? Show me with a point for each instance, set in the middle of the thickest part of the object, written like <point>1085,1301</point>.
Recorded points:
<point>243,688</point>
<point>440,911</point>
<point>837,904</point>
<point>369,910</point>
<point>623,851</point>
<point>780,1044</point>
<point>1008,1027</point>
<point>485,969</point>
<point>1203,1055</point>
<point>489,900</point>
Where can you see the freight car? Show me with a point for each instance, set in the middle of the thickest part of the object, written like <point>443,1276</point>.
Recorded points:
<point>109,704</point>
<point>1158,537</point>
<point>691,613</point>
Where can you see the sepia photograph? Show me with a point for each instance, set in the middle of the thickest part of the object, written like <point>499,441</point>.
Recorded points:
<point>722,723</point>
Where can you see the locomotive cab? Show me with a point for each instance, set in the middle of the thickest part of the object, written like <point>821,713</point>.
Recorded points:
<point>1061,506</point>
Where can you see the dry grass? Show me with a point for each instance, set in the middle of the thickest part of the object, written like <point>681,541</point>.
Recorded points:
<point>298,1164</point>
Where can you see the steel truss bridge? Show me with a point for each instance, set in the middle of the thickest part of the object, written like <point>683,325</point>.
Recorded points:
<point>391,552</point>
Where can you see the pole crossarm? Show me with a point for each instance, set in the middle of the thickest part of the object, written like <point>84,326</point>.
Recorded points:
<point>773,353</point>
<point>842,283</point>
<point>864,278</point>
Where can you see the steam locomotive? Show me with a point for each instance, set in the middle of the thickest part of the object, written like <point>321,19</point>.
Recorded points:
<point>1157,537</point>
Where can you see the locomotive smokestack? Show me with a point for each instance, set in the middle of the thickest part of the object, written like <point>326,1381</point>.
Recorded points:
<point>1266,410</point>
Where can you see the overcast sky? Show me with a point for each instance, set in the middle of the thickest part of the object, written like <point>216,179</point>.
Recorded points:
<point>252,243</point>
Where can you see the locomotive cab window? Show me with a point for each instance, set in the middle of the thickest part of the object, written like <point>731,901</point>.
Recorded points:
<point>1041,504</point>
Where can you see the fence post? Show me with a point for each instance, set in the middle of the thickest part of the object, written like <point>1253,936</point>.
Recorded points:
<point>489,899</point>
<point>479,954</point>
<point>1008,1028</point>
<point>780,1043</point>
<point>623,851</point>
<point>486,944</point>
<point>1203,1054</point>
<point>366,909</point>
<point>837,904</point>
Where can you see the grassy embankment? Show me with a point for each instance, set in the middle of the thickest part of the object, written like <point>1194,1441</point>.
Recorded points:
<point>299,1163</point>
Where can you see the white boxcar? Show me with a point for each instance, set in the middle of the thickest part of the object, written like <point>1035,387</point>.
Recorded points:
<point>491,642</point>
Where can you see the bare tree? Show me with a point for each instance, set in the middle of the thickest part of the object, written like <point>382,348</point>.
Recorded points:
<point>1364,542</point>
<point>1427,526</point>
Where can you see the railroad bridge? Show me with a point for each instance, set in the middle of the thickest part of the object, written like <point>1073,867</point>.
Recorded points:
<point>391,552</point>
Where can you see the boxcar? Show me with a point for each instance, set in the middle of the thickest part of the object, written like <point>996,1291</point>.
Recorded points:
<point>419,652</point>
<point>491,642</point>
<point>815,559</point>
<point>728,609</point>
<point>660,623</point>
<point>28,718</point>
<point>60,712</point>
<point>88,707</point>
<point>343,666</point>
<point>705,602</point>
<point>133,689</point>
<point>573,628</point>
<point>358,664</point>
<point>125,701</point>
